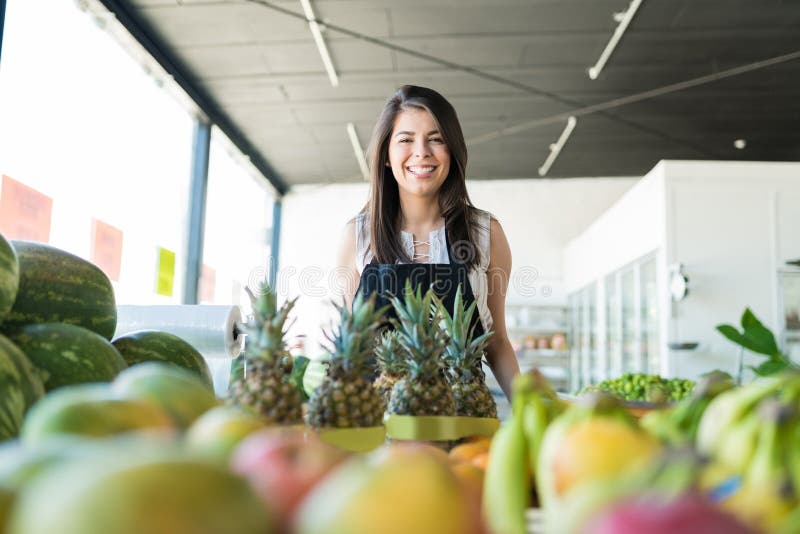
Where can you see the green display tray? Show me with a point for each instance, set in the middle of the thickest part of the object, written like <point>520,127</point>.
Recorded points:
<point>438,428</point>
<point>355,439</point>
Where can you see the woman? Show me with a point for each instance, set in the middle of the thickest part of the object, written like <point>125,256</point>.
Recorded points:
<point>419,223</point>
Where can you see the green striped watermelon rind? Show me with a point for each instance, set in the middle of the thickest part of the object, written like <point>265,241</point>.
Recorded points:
<point>58,287</point>
<point>9,277</point>
<point>157,346</point>
<point>68,354</point>
<point>12,399</point>
<point>30,380</point>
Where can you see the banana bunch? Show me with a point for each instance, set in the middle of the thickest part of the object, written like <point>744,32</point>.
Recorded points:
<point>677,427</point>
<point>752,436</point>
<point>508,482</point>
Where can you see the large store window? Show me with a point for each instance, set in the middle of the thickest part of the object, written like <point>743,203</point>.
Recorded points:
<point>238,226</point>
<point>98,149</point>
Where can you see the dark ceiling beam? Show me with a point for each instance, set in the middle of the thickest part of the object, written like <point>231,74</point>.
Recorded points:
<point>2,23</point>
<point>147,37</point>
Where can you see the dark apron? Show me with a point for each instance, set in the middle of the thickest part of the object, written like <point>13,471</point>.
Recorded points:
<point>387,279</point>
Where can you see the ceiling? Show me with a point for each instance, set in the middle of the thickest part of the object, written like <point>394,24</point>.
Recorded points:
<point>504,64</point>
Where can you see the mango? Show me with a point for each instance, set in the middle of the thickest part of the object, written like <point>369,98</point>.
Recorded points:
<point>397,493</point>
<point>90,411</point>
<point>156,496</point>
<point>216,433</point>
<point>600,447</point>
<point>180,393</point>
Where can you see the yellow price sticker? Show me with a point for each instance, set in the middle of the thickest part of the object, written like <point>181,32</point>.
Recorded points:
<point>165,274</point>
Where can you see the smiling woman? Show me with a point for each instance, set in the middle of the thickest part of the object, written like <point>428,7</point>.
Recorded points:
<point>419,224</point>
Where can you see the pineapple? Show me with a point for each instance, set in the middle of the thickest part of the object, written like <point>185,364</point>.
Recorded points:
<point>389,354</point>
<point>424,391</point>
<point>265,385</point>
<point>463,356</point>
<point>346,397</point>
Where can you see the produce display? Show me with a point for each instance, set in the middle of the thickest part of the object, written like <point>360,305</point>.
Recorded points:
<point>424,391</point>
<point>58,287</point>
<point>463,355</point>
<point>153,345</point>
<point>347,398</point>
<point>645,388</point>
<point>9,277</point>
<point>147,447</point>
<point>265,384</point>
<point>389,356</point>
<point>67,354</point>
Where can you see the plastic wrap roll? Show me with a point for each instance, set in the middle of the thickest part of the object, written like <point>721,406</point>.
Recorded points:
<point>210,329</point>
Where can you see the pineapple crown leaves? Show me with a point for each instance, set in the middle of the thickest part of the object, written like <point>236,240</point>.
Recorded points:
<point>462,350</point>
<point>419,331</point>
<point>268,326</point>
<point>388,352</point>
<point>354,338</point>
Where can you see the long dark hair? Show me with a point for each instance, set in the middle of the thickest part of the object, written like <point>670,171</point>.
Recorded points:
<point>383,207</point>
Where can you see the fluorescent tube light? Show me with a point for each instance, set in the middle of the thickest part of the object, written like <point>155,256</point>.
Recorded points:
<point>624,20</point>
<point>357,150</point>
<point>555,149</point>
<point>320,42</point>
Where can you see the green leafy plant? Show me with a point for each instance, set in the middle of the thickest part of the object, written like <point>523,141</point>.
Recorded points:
<point>757,338</point>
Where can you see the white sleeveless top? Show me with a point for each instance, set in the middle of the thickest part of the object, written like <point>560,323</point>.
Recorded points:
<point>438,254</point>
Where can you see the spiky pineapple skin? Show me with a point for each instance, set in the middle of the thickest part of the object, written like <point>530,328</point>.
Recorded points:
<point>474,399</point>
<point>345,402</point>
<point>384,384</point>
<point>422,396</point>
<point>265,388</point>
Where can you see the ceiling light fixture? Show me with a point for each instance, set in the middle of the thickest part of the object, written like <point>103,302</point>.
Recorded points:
<point>624,19</point>
<point>316,32</point>
<point>740,144</point>
<point>555,148</point>
<point>357,150</point>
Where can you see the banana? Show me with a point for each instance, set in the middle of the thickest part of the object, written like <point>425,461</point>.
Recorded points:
<point>507,482</point>
<point>540,405</point>
<point>767,494</point>
<point>730,407</point>
<point>737,444</point>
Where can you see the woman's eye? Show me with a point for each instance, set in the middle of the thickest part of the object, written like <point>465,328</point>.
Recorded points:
<point>406,140</point>
<point>436,140</point>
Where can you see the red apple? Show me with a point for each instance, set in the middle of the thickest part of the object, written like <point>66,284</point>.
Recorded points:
<point>282,465</point>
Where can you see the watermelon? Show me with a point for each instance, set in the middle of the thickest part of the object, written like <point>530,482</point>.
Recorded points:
<point>9,277</point>
<point>58,287</point>
<point>12,398</point>
<point>67,354</point>
<point>30,382</point>
<point>179,392</point>
<point>153,345</point>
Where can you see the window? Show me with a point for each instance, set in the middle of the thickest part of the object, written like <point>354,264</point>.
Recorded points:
<point>238,226</point>
<point>83,125</point>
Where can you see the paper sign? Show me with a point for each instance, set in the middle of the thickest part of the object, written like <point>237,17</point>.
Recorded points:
<point>24,212</point>
<point>165,272</point>
<point>107,248</point>
<point>208,284</point>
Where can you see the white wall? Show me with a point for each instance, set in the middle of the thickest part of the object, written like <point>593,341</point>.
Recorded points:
<point>313,221</point>
<point>538,216</point>
<point>732,225</point>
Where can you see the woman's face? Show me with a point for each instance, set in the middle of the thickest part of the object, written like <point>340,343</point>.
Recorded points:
<point>418,156</point>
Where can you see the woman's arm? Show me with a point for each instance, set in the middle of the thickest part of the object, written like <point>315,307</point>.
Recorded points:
<point>346,272</point>
<point>500,354</point>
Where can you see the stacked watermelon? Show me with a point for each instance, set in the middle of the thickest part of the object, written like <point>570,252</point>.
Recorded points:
<point>57,318</point>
